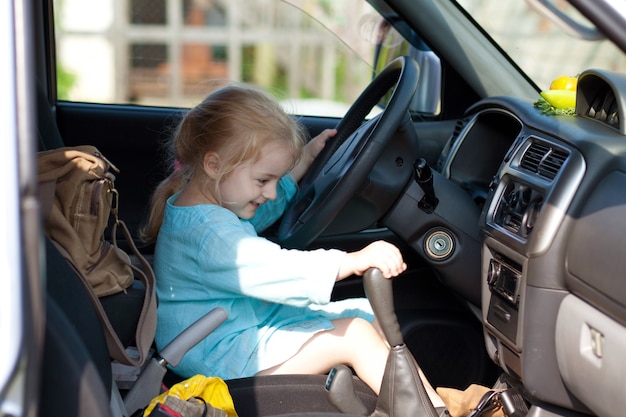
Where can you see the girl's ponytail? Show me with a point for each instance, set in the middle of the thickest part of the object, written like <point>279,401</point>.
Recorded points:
<point>168,187</point>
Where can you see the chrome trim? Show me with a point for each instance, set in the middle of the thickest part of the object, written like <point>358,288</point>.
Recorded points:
<point>558,194</point>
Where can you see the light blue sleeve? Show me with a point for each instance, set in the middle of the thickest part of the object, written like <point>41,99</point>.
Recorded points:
<point>271,211</point>
<point>206,252</point>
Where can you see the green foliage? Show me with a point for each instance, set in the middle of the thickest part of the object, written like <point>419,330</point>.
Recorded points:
<point>340,77</point>
<point>547,108</point>
<point>65,82</point>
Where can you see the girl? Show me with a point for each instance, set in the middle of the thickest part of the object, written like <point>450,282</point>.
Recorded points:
<point>239,158</point>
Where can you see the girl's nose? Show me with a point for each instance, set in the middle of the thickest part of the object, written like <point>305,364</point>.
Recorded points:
<point>269,192</point>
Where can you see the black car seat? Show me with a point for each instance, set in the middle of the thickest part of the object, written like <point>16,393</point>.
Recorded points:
<point>76,367</point>
<point>76,375</point>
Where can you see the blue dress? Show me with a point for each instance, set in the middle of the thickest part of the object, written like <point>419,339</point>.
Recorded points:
<point>276,298</point>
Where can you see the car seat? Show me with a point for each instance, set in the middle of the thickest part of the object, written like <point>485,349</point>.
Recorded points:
<point>76,376</point>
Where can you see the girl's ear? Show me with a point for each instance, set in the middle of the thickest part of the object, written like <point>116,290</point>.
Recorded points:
<point>211,164</point>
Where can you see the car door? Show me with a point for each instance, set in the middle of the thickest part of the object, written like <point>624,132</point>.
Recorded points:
<point>21,310</point>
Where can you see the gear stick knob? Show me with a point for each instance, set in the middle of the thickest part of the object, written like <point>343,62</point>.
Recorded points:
<point>424,178</point>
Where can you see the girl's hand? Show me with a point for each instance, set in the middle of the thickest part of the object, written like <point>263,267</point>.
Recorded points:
<point>380,254</point>
<point>310,151</point>
<point>315,145</point>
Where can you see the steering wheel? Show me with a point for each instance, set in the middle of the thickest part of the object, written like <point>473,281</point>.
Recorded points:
<point>346,160</point>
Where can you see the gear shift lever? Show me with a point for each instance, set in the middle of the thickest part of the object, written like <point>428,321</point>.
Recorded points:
<point>424,178</point>
<point>402,392</point>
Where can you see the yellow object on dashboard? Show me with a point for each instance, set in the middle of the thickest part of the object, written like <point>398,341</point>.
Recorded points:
<point>560,99</point>
<point>564,82</point>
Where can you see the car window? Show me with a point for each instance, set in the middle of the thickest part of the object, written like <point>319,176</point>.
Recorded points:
<point>315,56</point>
<point>543,48</point>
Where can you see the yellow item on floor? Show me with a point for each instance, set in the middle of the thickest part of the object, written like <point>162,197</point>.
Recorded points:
<point>212,390</point>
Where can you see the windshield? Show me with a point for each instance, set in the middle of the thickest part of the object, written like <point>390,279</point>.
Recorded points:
<point>539,46</point>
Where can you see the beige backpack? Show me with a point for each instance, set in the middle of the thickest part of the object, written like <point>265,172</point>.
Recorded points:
<point>79,199</point>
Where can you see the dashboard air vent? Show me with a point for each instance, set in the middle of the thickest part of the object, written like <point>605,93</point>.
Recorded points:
<point>458,127</point>
<point>460,124</point>
<point>543,159</point>
<point>599,97</point>
<point>603,107</point>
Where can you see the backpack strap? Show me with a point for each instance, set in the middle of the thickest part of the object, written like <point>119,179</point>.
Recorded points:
<point>146,324</point>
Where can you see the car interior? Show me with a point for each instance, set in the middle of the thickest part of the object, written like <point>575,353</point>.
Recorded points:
<point>508,218</point>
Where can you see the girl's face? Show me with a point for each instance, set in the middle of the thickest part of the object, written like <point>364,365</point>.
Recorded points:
<point>253,183</point>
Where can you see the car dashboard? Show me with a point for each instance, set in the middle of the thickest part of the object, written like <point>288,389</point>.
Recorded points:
<point>551,192</point>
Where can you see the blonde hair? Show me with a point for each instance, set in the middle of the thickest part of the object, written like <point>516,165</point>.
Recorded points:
<point>236,122</point>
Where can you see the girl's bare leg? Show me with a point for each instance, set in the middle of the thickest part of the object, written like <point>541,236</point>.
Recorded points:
<point>353,342</point>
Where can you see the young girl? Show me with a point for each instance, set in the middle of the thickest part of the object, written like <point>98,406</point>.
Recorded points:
<point>239,157</point>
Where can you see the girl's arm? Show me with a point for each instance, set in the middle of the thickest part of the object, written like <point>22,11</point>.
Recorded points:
<point>236,264</point>
<point>380,254</point>
<point>310,152</point>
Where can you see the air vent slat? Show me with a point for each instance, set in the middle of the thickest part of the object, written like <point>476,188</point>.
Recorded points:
<point>458,128</point>
<point>513,221</point>
<point>543,159</point>
<point>603,107</point>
